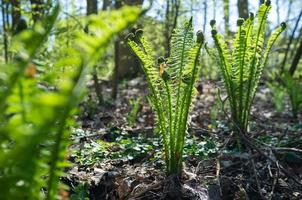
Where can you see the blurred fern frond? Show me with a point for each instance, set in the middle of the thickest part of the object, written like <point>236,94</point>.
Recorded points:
<point>35,122</point>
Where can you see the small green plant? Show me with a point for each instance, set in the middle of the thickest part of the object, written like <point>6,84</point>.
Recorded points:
<point>35,121</point>
<point>278,94</point>
<point>135,108</point>
<point>294,90</point>
<point>171,83</point>
<point>241,66</point>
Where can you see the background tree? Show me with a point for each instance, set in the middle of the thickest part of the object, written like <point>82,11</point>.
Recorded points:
<point>5,25</point>
<point>243,9</point>
<point>92,8</point>
<point>226,11</point>
<point>171,15</point>
<point>289,44</point>
<point>16,13</point>
<point>37,9</point>
<point>124,62</point>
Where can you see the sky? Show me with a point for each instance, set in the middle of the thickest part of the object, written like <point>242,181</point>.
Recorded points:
<point>158,10</point>
<point>159,7</point>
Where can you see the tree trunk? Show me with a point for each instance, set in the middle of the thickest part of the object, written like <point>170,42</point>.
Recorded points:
<point>226,11</point>
<point>92,8</point>
<point>106,4</point>
<point>4,28</point>
<point>16,13</point>
<point>278,11</point>
<point>290,42</point>
<point>172,10</point>
<point>125,64</point>
<point>37,9</point>
<point>205,14</point>
<point>243,10</point>
<point>214,9</point>
<point>296,60</point>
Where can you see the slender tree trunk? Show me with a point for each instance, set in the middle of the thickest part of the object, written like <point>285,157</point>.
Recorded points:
<point>296,60</point>
<point>291,55</point>
<point>117,5</point>
<point>16,13</point>
<point>205,14</point>
<point>125,63</point>
<point>106,4</point>
<point>92,8</point>
<point>116,69</point>
<point>243,10</point>
<point>278,11</point>
<point>290,42</point>
<point>4,28</point>
<point>226,10</point>
<point>214,9</point>
<point>172,10</point>
<point>37,9</point>
<point>290,3</point>
<point>167,28</point>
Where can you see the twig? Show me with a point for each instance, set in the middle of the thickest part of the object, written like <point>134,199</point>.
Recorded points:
<point>218,175</point>
<point>151,187</point>
<point>275,181</point>
<point>279,148</point>
<point>255,174</point>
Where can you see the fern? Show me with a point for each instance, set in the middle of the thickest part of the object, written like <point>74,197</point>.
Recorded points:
<point>241,67</point>
<point>35,126</point>
<point>171,82</point>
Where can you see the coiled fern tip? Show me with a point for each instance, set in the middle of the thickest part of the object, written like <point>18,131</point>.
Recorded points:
<point>129,36</point>
<point>240,21</point>
<point>212,23</point>
<point>161,60</point>
<point>268,3</point>
<point>139,33</point>
<point>283,25</point>
<point>252,15</point>
<point>214,32</point>
<point>200,37</point>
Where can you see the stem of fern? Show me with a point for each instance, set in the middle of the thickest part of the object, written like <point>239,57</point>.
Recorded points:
<point>227,77</point>
<point>241,109</point>
<point>248,100</point>
<point>179,85</point>
<point>59,135</point>
<point>21,95</point>
<point>264,62</point>
<point>172,136</point>
<point>187,102</point>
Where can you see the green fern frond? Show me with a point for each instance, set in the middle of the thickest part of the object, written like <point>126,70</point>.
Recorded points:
<point>171,82</point>
<point>241,69</point>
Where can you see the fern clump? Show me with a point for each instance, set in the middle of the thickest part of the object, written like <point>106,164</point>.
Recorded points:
<point>242,65</point>
<point>171,82</point>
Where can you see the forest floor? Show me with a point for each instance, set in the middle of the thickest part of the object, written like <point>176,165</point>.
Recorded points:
<point>116,155</point>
